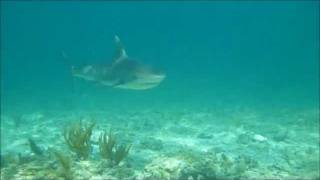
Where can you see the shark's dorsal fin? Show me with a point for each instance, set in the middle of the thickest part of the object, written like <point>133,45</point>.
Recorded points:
<point>120,53</point>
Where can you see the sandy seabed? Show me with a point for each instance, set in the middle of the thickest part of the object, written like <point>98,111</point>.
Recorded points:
<point>239,143</point>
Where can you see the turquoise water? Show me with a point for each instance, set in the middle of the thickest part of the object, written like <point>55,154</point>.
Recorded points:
<point>240,98</point>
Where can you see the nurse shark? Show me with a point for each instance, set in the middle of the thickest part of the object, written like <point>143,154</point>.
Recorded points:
<point>123,72</point>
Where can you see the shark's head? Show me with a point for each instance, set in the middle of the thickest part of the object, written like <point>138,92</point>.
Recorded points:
<point>143,78</point>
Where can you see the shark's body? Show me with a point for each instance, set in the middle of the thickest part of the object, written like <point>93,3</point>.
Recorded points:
<point>123,72</point>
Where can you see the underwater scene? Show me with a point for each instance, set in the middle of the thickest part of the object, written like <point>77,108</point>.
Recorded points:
<point>159,90</point>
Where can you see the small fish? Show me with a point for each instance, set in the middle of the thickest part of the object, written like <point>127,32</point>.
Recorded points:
<point>34,147</point>
<point>123,72</point>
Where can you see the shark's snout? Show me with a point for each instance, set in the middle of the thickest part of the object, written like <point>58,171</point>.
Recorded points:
<point>147,81</point>
<point>157,77</point>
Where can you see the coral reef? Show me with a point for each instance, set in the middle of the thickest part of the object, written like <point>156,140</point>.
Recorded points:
<point>109,149</point>
<point>106,145</point>
<point>120,152</point>
<point>77,138</point>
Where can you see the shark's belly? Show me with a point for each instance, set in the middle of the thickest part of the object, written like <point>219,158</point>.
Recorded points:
<point>137,86</point>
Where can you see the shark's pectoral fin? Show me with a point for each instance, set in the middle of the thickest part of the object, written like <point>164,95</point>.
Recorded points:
<point>123,81</point>
<point>120,53</point>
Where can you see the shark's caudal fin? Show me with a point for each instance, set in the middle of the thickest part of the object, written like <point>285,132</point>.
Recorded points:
<point>120,53</point>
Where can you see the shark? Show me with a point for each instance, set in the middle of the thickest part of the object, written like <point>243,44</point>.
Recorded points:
<point>122,72</point>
